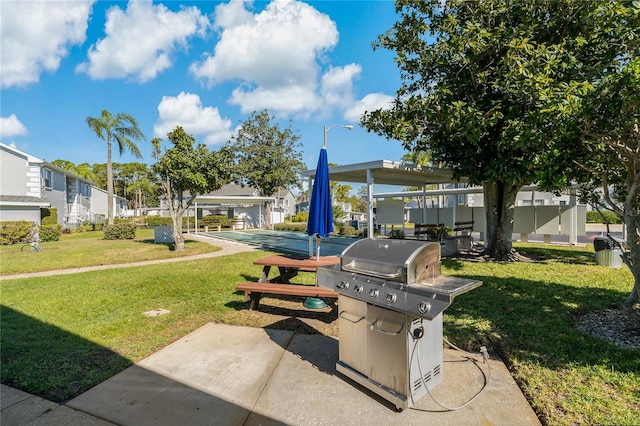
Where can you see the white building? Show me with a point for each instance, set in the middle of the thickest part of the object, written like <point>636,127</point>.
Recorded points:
<point>28,183</point>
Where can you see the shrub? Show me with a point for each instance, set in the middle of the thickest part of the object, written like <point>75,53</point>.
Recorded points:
<point>348,231</point>
<point>301,217</point>
<point>158,221</point>
<point>609,217</point>
<point>438,232</point>
<point>85,226</point>
<point>214,220</point>
<point>397,234</point>
<point>50,232</point>
<point>48,216</point>
<point>289,226</point>
<point>120,231</point>
<point>16,231</point>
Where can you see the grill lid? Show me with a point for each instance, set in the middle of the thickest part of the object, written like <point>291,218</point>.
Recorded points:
<point>406,261</point>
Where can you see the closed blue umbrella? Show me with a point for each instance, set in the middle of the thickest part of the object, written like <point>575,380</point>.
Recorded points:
<point>320,221</point>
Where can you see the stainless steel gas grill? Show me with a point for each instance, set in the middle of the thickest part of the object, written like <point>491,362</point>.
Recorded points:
<point>390,304</point>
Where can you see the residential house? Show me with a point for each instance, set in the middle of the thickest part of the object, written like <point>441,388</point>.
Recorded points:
<point>28,183</point>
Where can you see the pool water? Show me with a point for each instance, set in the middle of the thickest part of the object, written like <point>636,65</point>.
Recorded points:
<point>286,242</point>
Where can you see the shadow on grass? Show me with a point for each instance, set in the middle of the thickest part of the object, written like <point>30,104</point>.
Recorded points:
<point>54,364</point>
<point>50,362</point>
<point>269,305</point>
<point>170,246</point>
<point>533,322</point>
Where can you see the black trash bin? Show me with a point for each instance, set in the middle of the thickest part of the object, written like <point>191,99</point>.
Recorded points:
<point>602,243</point>
<point>606,253</point>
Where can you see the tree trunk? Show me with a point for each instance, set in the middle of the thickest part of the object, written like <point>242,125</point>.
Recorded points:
<point>267,214</point>
<point>109,184</point>
<point>633,255</point>
<point>178,238</point>
<point>499,201</point>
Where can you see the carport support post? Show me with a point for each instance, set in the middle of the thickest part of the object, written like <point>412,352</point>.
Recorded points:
<point>195,218</point>
<point>371,231</point>
<point>424,204</point>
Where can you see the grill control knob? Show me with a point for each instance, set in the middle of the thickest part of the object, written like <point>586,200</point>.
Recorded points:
<point>358,289</point>
<point>391,297</point>
<point>424,307</point>
<point>373,293</point>
<point>344,285</point>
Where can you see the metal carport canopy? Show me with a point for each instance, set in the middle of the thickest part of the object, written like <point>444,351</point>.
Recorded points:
<point>385,172</point>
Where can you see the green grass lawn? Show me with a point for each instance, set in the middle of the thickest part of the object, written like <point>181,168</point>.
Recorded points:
<point>61,335</point>
<point>89,249</point>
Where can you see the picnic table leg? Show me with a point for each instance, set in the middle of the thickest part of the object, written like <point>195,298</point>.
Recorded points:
<point>285,275</point>
<point>255,300</point>
<point>265,274</point>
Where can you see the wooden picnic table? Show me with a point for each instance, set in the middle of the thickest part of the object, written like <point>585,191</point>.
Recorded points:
<point>290,266</point>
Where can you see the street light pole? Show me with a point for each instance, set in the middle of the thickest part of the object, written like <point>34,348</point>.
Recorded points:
<point>326,129</point>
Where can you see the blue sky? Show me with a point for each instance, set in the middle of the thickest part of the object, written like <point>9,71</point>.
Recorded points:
<point>204,65</point>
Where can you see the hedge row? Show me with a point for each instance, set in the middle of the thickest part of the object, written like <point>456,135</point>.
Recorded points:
<point>215,220</point>
<point>22,231</point>
<point>289,226</point>
<point>594,217</point>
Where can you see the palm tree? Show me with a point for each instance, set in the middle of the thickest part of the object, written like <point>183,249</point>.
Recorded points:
<point>120,128</point>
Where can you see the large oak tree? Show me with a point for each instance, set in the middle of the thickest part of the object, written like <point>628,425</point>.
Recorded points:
<point>483,88</point>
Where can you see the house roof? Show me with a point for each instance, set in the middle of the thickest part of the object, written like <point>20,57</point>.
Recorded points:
<point>233,190</point>
<point>233,194</point>
<point>22,201</point>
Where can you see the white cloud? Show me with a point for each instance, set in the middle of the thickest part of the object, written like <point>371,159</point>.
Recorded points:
<point>36,35</point>
<point>141,40</point>
<point>232,14</point>
<point>11,126</point>
<point>337,85</point>
<point>371,102</point>
<point>275,54</point>
<point>186,110</point>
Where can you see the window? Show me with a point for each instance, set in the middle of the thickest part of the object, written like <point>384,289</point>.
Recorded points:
<point>48,178</point>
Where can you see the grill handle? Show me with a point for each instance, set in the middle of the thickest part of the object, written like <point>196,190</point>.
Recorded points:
<point>388,333</point>
<point>348,319</point>
<point>392,275</point>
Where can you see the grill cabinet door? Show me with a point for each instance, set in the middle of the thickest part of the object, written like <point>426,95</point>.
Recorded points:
<point>352,326</point>
<point>387,348</point>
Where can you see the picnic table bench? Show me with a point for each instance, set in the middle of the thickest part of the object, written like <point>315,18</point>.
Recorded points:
<point>288,268</point>
<point>461,239</point>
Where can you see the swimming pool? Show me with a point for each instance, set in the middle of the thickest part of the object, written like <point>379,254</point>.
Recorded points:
<point>285,242</point>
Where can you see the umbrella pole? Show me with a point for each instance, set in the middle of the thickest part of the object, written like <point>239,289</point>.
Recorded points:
<point>318,240</point>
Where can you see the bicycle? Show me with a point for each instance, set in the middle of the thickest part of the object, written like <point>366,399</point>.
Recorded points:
<point>31,247</point>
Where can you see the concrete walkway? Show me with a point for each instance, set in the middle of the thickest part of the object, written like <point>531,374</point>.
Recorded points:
<point>231,375</point>
<point>227,248</point>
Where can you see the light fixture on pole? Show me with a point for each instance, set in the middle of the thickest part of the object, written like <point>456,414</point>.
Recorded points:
<point>326,129</point>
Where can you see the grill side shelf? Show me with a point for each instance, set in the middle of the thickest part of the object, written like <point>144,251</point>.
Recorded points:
<point>447,285</point>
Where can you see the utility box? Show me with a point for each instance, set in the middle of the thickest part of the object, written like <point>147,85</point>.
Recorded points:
<point>606,253</point>
<point>163,234</point>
